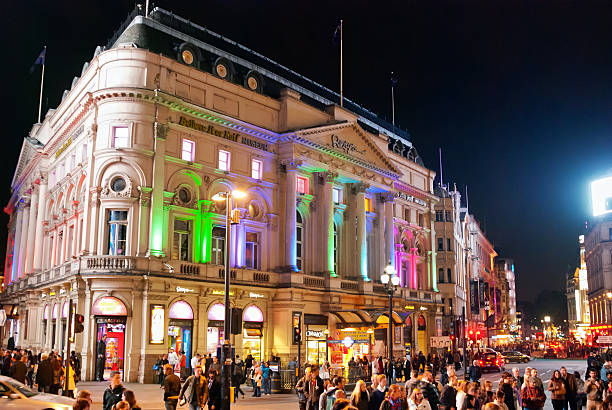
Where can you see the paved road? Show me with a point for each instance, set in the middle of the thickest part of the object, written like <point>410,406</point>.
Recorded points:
<point>150,396</point>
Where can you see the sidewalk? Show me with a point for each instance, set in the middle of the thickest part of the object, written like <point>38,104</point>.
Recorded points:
<point>150,397</point>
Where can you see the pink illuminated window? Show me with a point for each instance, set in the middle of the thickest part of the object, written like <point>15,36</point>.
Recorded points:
<point>302,185</point>
<point>252,314</point>
<point>65,310</point>
<point>46,313</point>
<point>216,312</point>
<point>180,310</point>
<point>188,150</point>
<point>54,312</point>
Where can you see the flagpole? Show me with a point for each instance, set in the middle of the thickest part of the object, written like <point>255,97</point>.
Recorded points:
<point>392,101</point>
<point>42,81</point>
<point>341,88</point>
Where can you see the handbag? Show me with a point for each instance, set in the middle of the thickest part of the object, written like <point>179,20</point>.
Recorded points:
<point>155,366</point>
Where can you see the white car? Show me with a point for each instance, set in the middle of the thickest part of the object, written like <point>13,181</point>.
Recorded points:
<point>16,395</point>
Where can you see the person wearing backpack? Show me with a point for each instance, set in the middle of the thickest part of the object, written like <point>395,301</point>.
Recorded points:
<point>594,390</point>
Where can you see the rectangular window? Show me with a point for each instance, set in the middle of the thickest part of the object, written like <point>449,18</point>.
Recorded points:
<point>218,245</point>
<point>448,244</point>
<point>252,251</point>
<point>449,217</point>
<point>117,232</point>
<point>438,216</point>
<point>440,275</point>
<point>224,160</point>
<point>368,205</point>
<point>84,153</point>
<point>188,150</point>
<point>421,220</point>
<point>72,161</point>
<point>256,169</point>
<point>449,275</point>
<point>610,234</point>
<point>181,246</point>
<point>121,137</point>
<point>302,185</point>
<point>60,172</point>
<point>407,214</point>
<point>337,194</point>
<point>440,244</point>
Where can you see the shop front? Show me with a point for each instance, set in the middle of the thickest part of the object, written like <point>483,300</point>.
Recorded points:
<point>12,323</point>
<point>64,324</point>
<point>317,335</point>
<point>349,343</point>
<point>44,324</point>
<point>110,316</point>
<point>54,316</point>
<point>180,329</point>
<point>421,334</point>
<point>252,332</point>
<point>214,331</point>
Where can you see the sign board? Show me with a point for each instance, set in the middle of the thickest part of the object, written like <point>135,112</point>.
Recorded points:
<point>440,341</point>
<point>604,340</point>
<point>156,336</point>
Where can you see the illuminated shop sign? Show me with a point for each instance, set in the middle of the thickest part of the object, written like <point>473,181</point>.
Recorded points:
<point>157,325</point>
<point>344,145</point>
<point>601,194</point>
<point>314,333</point>
<point>225,134</point>
<point>221,292</point>
<point>256,295</point>
<point>109,306</point>
<point>181,289</point>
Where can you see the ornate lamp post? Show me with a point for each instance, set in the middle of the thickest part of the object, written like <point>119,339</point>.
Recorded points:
<point>390,279</point>
<point>226,349</point>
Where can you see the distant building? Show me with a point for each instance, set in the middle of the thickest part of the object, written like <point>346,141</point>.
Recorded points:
<point>504,268</point>
<point>578,311</point>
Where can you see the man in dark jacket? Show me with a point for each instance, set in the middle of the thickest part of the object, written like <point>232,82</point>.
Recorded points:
<point>506,387</point>
<point>214,391</point>
<point>172,387</point>
<point>44,375</point>
<point>18,370</point>
<point>195,390</point>
<point>100,358</point>
<point>114,392</point>
<point>6,365</point>
<point>313,389</point>
<point>430,391</point>
<point>571,388</point>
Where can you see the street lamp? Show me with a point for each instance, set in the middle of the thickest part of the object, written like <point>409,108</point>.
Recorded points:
<point>226,350</point>
<point>390,279</point>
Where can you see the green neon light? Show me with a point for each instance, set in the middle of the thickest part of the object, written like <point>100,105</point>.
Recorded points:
<point>206,238</point>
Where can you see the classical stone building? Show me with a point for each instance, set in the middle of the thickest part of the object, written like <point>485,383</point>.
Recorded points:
<point>112,208</point>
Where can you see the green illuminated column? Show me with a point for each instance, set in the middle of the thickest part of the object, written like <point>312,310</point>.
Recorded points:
<point>327,232</point>
<point>157,194</point>
<point>206,232</point>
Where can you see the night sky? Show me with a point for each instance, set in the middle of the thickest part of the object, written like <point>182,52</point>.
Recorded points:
<point>517,93</point>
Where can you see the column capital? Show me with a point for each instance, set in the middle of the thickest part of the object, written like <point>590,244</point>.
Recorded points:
<point>385,197</point>
<point>326,177</point>
<point>359,187</point>
<point>291,164</point>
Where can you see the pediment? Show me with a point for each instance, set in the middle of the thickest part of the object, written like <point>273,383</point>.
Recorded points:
<point>349,142</point>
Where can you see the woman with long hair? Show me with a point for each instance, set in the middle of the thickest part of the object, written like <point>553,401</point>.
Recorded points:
<point>394,401</point>
<point>417,401</point>
<point>557,388</point>
<point>130,397</point>
<point>360,397</point>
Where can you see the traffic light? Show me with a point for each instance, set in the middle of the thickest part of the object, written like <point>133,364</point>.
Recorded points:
<point>78,323</point>
<point>297,328</point>
<point>236,323</point>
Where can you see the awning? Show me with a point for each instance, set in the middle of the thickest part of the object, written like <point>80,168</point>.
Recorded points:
<point>383,317</point>
<point>11,311</point>
<point>353,318</point>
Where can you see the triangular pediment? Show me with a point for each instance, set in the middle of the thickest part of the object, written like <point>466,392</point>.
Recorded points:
<point>350,142</point>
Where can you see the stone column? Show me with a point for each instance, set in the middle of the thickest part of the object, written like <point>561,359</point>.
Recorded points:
<point>290,221</point>
<point>32,225</point>
<point>326,244</point>
<point>382,257</point>
<point>39,249</point>
<point>90,231</point>
<point>143,231</point>
<point>62,252</point>
<point>23,239</point>
<point>54,254</point>
<point>389,229</point>
<point>156,244</point>
<point>362,248</point>
<point>76,232</point>
<point>16,245</point>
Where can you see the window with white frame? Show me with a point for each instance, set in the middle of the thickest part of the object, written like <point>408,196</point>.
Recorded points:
<point>302,185</point>
<point>299,240</point>
<point>335,248</point>
<point>188,150</point>
<point>181,244</point>
<point>252,250</point>
<point>121,135</point>
<point>117,232</point>
<point>224,160</point>
<point>337,195</point>
<point>218,245</point>
<point>256,169</point>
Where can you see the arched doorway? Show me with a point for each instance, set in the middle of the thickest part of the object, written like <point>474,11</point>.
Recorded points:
<point>180,330</point>
<point>110,317</point>
<point>252,318</point>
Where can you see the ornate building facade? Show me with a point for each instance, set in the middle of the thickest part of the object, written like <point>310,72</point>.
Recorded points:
<point>112,208</point>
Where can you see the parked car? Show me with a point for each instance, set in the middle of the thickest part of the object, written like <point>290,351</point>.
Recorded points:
<point>491,361</point>
<point>18,396</point>
<point>515,357</point>
<point>550,354</point>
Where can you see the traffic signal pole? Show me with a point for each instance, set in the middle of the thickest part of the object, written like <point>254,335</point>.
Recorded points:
<point>67,352</point>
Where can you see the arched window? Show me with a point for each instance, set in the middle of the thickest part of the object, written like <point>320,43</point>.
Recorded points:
<point>335,248</point>
<point>299,240</point>
<point>441,275</point>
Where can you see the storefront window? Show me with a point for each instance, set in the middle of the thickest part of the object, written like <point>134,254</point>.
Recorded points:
<point>180,330</point>
<point>214,332</point>
<point>253,319</point>
<point>110,315</point>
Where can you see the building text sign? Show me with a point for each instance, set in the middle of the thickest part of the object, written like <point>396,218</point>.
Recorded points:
<point>225,134</point>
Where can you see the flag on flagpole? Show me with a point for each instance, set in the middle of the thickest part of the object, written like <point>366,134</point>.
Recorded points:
<point>393,80</point>
<point>39,60</point>
<point>336,36</point>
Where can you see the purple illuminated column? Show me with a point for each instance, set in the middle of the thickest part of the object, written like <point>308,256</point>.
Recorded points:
<point>290,210</point>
